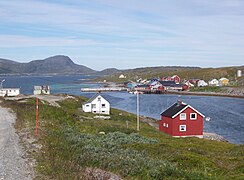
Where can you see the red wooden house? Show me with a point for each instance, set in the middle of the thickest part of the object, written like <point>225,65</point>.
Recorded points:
<point>174,78</point>
<point>182,120</point>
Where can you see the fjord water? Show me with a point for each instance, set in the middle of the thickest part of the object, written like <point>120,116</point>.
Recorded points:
<point>227,114</point>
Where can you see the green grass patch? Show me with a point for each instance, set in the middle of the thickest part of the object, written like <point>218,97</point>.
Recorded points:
<point>71,142</point>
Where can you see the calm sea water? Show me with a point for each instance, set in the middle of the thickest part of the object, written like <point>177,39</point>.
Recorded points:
<point>227,114</point>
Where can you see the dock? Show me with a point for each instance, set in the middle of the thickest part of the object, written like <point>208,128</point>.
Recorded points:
<point>103,89</point>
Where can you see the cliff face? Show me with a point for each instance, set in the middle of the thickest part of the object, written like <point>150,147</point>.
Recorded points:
<point>53,65</point>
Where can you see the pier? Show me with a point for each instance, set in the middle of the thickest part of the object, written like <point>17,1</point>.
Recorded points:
<point>103,89</point>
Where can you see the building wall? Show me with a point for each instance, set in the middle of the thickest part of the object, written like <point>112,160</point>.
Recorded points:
<point>97,107</point>
<point>9,92</point>
<point>165,125</point>
<point>86,107</point>
<point>193,127</point>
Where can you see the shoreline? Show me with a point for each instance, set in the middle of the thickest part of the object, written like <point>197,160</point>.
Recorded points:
<point>203,93</point>
<point>54,98</point>
<point>206,135</point>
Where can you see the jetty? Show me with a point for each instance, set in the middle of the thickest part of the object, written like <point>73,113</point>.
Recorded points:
<point>103,89</point>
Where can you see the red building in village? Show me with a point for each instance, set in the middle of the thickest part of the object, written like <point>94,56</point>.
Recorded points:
<point>174,78</point>
<point>182,120</point>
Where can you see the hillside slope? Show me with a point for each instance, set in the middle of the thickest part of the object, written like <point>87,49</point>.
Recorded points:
<point>53,65</point>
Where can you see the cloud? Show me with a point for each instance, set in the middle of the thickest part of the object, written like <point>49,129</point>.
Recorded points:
<point>14,41</point>
<point>127,29</point>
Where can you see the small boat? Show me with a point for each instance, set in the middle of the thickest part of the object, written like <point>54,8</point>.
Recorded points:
<point>208,118</point>
<point>138,92</point>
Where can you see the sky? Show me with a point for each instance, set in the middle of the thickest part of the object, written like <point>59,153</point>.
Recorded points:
<point>124,34</point>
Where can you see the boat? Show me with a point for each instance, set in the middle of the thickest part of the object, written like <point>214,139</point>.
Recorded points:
<point>207,118</point>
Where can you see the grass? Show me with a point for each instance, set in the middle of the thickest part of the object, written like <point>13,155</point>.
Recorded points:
<point>71,142</point>
<point>184,72</point>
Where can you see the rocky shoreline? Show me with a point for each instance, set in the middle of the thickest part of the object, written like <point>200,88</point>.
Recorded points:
<point>210,136</point>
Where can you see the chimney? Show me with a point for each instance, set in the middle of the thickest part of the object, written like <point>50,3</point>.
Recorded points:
<point>179,102</point>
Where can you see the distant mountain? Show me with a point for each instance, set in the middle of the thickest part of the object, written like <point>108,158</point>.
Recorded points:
<point>53,65</point>
<point>109,71</point>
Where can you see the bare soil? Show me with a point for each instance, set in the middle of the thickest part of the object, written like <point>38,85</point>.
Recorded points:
<point>13,164</point>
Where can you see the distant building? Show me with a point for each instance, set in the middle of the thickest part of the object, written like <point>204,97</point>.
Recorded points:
<point>122,76</point>
<point>201,83</point>
<point>9,92</point>
<point>97,105</point>
<point>213,82</point>
<point>174,78</point>
<point>223,81</point>
<point>239,73</point>
<point>181,120</point>
<point>41,90</point>
<point>189,84</point>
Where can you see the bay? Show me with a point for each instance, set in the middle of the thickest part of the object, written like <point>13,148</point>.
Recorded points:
<point>227,114</point>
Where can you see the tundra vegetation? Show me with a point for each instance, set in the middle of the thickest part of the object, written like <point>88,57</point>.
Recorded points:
<point>69,142</point>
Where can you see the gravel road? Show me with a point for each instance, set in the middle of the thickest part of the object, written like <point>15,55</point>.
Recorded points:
<point>12,164</point>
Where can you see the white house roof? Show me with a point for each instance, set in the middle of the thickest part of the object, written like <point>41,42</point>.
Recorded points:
<point>93,98</point>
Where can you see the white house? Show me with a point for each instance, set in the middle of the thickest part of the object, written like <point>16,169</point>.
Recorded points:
<point>213,82</point>
<point>9,92</point>
<point>201,83</point>
<point>122,76</point>
<point>41,90</point>
<point>97,104</point>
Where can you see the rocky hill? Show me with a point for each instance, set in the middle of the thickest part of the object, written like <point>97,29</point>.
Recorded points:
<point>53,65</point>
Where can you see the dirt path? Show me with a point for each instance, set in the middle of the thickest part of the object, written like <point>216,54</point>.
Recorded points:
<point>12,164</point>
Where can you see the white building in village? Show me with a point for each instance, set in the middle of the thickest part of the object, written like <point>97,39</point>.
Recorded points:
<point>97,105</point>
<point>122,76</point>
<point>201,83</point>
<point>213,82</point>
<point>9,92</point>
<point>41,90</point>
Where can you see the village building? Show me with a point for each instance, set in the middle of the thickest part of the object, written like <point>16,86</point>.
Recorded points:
<point>223,81</point>
<point>41,90</point>
<point>9,92</point>
<point>193,81</point>
<point>182,120</point>
<point>97,105</point>
<point>213,82</point>
<point>189,84</point>
<point>142,87</point>
<point>201,83</point>
<point>122,76</point>
<point>174,78</point>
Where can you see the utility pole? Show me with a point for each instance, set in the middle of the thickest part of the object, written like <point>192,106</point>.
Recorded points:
<point>1,85</point>
<point>36,117</point>
<point>138,112</point>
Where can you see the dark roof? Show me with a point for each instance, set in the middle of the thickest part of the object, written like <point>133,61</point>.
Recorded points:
<point>92,98</point>
<point>143,85</point>
<point>167,83</point>
<point>174,109</point>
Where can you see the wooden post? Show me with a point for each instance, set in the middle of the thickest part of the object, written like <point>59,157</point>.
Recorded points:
<point>36,117</point>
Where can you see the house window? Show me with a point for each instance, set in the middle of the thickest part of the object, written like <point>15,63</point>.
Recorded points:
<point>182,128</point>
<point>99,99</point>
<point>103,105</point>
<point>103,111</point>
<point>167,125</point>
<point>164,124</point>
<point>193,116</point>
<point>87,105</point>
<point>93,105</point>
<point>183,116</point>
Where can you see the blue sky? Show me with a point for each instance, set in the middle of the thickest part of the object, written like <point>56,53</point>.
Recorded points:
<point>124,33</point>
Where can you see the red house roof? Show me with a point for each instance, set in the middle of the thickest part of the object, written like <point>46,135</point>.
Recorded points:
<point>177,108</point>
